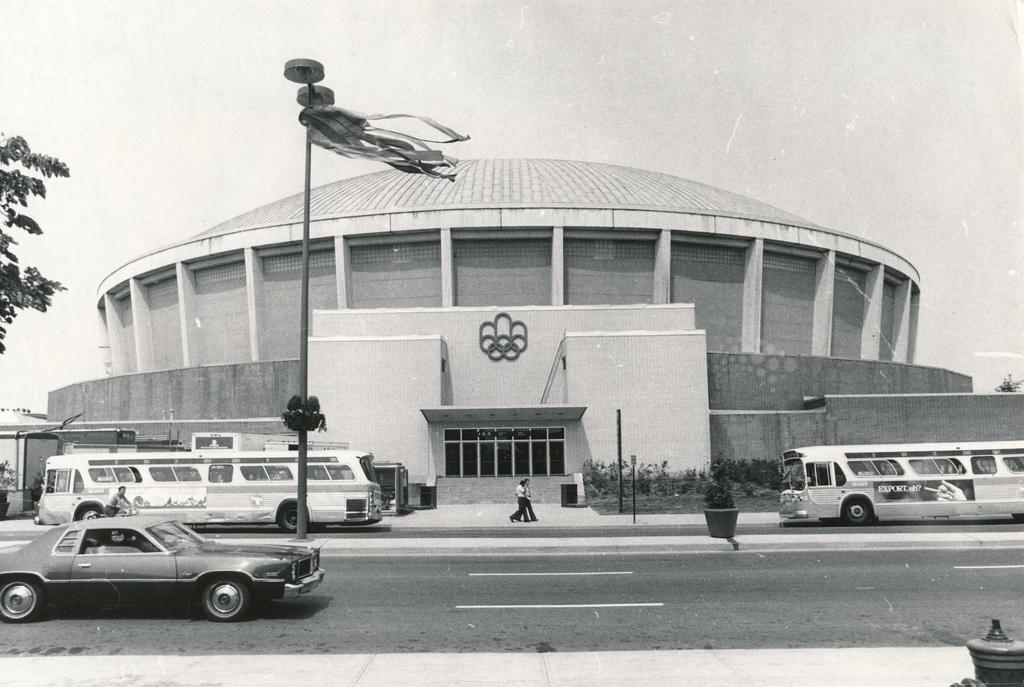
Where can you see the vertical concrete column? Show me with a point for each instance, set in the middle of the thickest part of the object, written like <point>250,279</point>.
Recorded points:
<point>915,307</point>
<point>343,272</point>
<point>253,299</point>
<point>824,294</point>
<point>187,315</point>
<point>753,285</point>
<point>871,336</point>
<point>901,324</point>
<point>663,268</point>
<point>114,338</point>
<point>142,326</point>
<point>557,265</point>
<point>104,334</point>
<point>447,269</point>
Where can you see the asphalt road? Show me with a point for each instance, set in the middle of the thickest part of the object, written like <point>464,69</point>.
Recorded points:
<point>582,602</point>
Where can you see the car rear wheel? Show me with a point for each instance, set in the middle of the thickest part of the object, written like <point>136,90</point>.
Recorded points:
<point>226,599</point>
<point>21,600</point>
<point>857,511</point>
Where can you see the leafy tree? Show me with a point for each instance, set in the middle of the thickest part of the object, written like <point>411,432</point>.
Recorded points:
<point>1010,385</point>
<point>22,289</point>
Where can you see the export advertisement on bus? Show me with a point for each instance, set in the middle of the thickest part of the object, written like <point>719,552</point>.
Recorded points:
<point>925,490</point>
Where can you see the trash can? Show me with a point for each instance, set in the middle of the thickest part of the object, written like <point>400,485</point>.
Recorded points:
<point>428,497</point>
<point>569,496</point>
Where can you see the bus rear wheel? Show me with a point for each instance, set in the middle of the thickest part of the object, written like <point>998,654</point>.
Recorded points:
<point>857,512</point>
<point>89,512</point>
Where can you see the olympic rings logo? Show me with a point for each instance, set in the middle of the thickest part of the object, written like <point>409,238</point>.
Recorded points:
<point>504,338</point>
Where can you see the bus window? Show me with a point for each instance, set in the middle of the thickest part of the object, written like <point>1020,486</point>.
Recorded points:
<point>840,476</point>
<point>63,479</point>
<point>863,468</point>
<point>936,466</point>
<point>220,473</point>
<point>253,473</point>
<point>79,483</point>
<point>341,472</point>
<point>817,475</point>
<point>102,475</point>
<point>51,481</point>
<point>186,473</point>
<point>1014,463</point>
<point>162,474</point>
<point>983,465</point>
<point>888,467</point>
<point>317,472</point>
<point>366,462</point>
<point>127,475</point>
<point>279,473</point>
<point>793,475</point>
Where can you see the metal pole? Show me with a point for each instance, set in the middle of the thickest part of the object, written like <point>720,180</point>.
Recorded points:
<point>618,438</point>
<point>634,489</point>
<point>302,523</point>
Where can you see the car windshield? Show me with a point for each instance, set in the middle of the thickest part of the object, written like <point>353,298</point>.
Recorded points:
<point>174,535</point>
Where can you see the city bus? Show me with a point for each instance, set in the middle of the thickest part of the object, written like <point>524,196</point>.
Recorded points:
<point>214,487</point>
<point>861,484</point>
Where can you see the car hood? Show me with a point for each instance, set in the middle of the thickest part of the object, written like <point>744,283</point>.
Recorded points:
<point>255,550</point>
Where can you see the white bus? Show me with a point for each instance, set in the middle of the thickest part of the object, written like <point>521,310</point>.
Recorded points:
<point>214,487</point>
<point>864,483</point>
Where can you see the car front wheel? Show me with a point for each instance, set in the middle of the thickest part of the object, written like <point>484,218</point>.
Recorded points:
<point>21,600</point>
<point>226,600</point>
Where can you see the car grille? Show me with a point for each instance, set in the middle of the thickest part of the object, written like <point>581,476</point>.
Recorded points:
<point>305,567</point>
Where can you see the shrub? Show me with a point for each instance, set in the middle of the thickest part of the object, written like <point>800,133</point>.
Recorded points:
<point>718,490</point>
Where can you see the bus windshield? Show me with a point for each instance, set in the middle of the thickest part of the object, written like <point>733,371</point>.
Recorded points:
<point>793,476</point>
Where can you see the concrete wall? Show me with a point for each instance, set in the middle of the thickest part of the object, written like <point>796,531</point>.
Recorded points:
<point>743,435</point>
<point>657,379</point>
<point>372,390</point>
<point>736,381</point>
<point>242,390</point>
<point>475,378</point>
<point>749,381</point>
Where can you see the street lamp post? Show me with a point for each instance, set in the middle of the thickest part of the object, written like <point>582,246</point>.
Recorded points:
<point>307,72</point>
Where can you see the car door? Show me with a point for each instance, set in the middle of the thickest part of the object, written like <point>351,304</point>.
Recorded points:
<point>121,566</point>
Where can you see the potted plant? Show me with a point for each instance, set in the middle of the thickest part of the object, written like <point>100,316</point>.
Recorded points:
<point>8,478</point>
<point>720,510</point>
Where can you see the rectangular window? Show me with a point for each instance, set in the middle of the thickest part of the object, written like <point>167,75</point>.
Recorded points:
<point>220,473</point>
<point>604,271</point>
<point>317,472</point>
<point>127,475</point>
<point>505,451</point>
<point>341,472</point>
<point>506,271</point>
<point>162,474</point>
<point>818,475</point>
<point>279,473</point>
<point>254,473</point>
<point>983,465</point>
<point>101,475</point>
<point>187,474</point>
<point>937,466</point>
<point>1014,463</point>
<point>862,468</point>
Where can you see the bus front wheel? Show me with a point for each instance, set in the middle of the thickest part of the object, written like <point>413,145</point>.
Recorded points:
<point>857,512</point>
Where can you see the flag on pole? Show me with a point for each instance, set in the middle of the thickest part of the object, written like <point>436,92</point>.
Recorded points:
<point>350,134</point>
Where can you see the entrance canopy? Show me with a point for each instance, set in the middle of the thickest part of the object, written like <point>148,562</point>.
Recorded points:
<point>477,414</point>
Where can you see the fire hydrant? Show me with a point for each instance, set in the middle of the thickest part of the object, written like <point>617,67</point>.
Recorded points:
<point>998,660</point>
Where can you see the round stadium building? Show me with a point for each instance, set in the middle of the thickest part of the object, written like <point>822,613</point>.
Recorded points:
<point>501,324</point>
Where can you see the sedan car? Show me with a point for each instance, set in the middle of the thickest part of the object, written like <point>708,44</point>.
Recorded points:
<point>125,561</point>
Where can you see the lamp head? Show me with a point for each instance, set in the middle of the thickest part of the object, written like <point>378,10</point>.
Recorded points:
<point>304,71</point>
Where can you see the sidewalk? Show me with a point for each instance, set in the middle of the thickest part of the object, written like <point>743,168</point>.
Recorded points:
<point>475,521</point>
<point>919,667</point>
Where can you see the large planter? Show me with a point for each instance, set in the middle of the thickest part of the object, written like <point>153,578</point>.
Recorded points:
<point>721,521</point>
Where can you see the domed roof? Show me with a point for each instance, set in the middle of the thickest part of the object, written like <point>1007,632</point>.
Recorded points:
<point>488,184</point>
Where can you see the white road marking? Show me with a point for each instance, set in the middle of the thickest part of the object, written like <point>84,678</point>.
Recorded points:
<point>985,567</point>
<point>500,606</point>
<point>546,574</point>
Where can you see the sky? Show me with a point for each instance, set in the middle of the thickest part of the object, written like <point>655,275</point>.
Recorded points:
<point>899,122</point>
